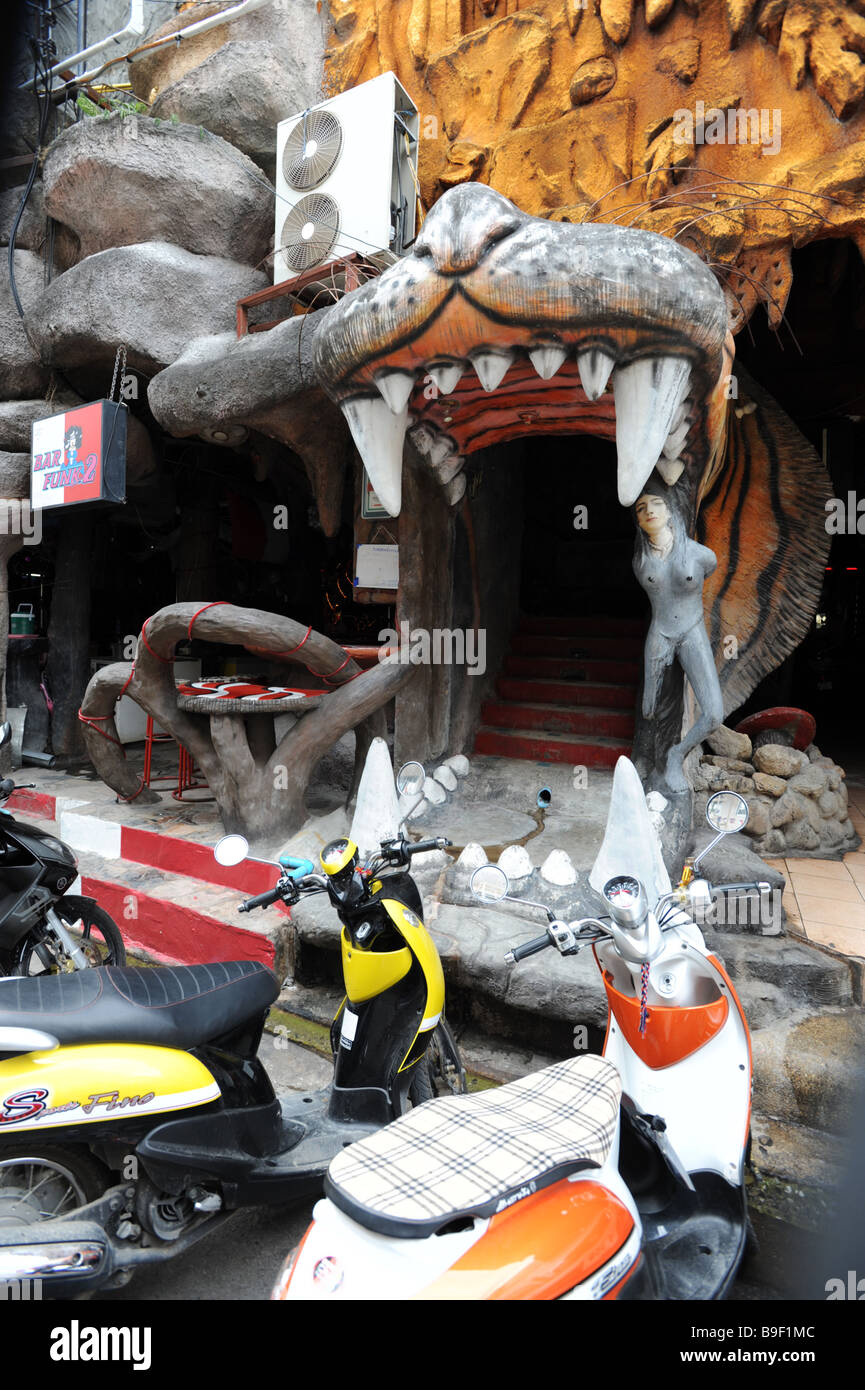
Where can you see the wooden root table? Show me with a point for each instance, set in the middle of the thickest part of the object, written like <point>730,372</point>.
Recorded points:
<point>261,708</point>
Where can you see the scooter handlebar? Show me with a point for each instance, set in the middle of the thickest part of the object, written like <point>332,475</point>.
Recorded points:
<point>263,900</point>
<point>529,948</point>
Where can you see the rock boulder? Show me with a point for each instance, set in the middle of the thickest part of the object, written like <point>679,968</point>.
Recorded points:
<point>152,297</point>
<point>729,744</point>
<point>118,181</point>
<point>21,371</point>
<point>778,760</point>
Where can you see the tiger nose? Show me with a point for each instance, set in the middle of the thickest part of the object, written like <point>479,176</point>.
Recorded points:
<point>464,225</point>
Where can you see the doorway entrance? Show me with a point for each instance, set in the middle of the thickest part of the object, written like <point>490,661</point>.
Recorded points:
<point>567,687</point>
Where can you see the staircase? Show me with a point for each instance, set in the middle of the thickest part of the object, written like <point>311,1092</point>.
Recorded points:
<point>566,692</point>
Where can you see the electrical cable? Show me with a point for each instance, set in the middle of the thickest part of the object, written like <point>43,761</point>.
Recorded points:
<point>44,110</point>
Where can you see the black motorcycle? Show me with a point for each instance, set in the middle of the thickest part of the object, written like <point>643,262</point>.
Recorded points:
<point>43,929</point>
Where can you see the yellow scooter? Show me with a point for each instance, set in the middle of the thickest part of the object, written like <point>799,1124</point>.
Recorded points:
<point>135,1113</point>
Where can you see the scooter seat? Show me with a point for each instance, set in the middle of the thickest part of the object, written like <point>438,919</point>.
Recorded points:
<point>465,1156</point>
<point>168,1006</point>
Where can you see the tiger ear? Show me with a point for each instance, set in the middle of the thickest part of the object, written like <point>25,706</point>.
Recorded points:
<point>765,518</point>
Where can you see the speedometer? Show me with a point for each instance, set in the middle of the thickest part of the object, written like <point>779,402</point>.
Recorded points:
<point>626,899</point>
<point>622,890</point>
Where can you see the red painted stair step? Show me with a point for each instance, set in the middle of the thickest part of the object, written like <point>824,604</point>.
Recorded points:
<point>558,668</point>
<point>551,748</point>
<point>549,644</point>
<point>608,723</point>
<point>551,692</point>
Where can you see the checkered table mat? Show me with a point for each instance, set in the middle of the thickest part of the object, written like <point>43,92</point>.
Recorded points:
<point>474,1155</point>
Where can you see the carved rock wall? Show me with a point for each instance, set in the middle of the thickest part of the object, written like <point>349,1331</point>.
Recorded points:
<point>735,125</point>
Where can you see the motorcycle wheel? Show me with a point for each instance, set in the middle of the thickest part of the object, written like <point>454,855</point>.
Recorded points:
<point>39,1184</point>
<point>100,937</point>
<point>441,1071</point>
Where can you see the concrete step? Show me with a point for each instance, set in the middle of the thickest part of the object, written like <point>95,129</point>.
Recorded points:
<point>585,719</point>
<point>808,1069</point>
<point>792,1152</point>
<point>605,696</point>
<point>174,919</point>
<point>620,672</point>
<point>788,975</point>
<point>574,749</point>
<point>496,1061</point>
<point>98,827</point>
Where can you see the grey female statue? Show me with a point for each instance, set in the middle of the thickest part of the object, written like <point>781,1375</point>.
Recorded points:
<point>672,569</point>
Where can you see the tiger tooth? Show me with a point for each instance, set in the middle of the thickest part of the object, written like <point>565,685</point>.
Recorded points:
<point>595,366</point>
<point>492,368</point>
<point>670,470</point>
<point>683,412</point>
<point>546,360</point>
<point>395,387</point>
<point>446,375</point>
<point>455,489</point>
<point>447,468</point>
<point>676,439</point>
<point>647,393</point>
<point>434,446</point>
<point>379,435</point>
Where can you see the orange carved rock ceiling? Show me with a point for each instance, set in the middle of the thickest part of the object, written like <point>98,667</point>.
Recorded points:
<point>574,110</point>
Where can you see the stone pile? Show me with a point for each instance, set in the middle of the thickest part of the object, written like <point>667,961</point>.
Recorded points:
<point>437,788</point>
<point>797,800</point>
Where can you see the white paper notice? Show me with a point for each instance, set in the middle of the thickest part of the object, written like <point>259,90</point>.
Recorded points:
<point>377,567</point>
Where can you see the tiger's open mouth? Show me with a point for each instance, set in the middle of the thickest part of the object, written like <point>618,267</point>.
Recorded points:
<point>500,324</point>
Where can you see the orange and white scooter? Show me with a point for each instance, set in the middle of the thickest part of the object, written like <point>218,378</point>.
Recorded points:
<point>611,1177</point>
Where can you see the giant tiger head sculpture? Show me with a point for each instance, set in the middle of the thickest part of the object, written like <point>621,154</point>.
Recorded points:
<point>665,157</point>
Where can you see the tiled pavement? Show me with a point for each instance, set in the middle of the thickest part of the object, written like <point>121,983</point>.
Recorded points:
<point>825,898</point>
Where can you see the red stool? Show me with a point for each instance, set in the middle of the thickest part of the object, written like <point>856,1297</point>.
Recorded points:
<point>186,777</point>
<point>150,738</point>
<point>186,774</point>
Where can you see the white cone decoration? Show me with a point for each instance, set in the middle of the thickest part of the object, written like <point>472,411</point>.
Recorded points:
<point>516,862</point>
<point>631,845</point>
<point>557,868</point>
<point>446,776</point>
<point>377,815</point>
<point>459,763</point>
<point>472,857</point>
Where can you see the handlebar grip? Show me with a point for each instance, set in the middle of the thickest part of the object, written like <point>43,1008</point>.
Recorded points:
<point>530,948</point>
<point>263,900</point>
<point>296,868</point>
<point>423,846</point>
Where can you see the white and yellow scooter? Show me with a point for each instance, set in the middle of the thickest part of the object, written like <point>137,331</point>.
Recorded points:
<point>135,1112</point>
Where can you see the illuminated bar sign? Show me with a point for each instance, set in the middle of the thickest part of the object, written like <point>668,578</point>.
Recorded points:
<point>79,456</point>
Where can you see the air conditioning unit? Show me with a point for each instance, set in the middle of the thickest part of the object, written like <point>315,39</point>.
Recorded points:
<point>346,179</point>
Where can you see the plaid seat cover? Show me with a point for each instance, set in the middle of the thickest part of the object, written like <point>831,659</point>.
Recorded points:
<point>475,1155</point>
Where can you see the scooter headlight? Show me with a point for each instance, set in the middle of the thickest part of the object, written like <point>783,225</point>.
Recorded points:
<point>339,860</point>
<point>62,851</point>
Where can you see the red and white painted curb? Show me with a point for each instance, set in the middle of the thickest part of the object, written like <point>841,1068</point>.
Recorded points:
<point>166,930</point>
